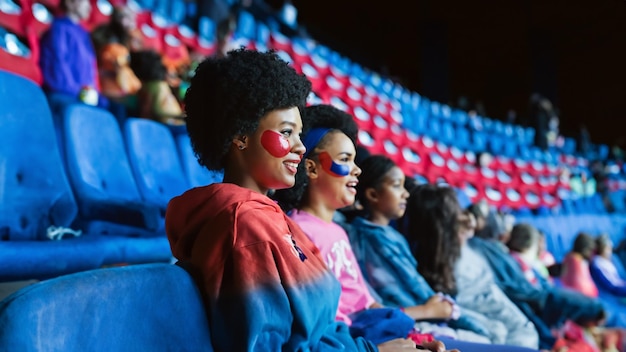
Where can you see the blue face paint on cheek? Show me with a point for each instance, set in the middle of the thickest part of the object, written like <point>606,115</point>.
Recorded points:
<point>275,143</point>
<point>331,167</point>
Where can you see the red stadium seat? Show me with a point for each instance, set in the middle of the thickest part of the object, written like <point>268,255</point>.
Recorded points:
<point>101,11</point>
<point>151,29</point>
<point>14,17</point>
<point>21,55</point>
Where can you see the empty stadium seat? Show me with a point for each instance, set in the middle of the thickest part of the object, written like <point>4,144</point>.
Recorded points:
<point>197,175</point>
<point>101,176</point>
<point>20,54</point>
<point>246,26</point>
<point>154,161</point>
<point>152,307</point>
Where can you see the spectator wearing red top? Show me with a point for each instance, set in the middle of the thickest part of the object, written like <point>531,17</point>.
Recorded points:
<point>575,271</point>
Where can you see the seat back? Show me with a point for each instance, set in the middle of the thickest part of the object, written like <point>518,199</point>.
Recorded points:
<point>149,307</point>
<point>34,191</point>
<point>197,175</point>
<point>154,160</point>
<point>99,169</point>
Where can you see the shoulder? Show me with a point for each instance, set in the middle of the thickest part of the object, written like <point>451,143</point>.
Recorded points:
<point>258,222</point>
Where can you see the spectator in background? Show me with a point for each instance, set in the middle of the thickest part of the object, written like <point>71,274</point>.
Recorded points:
<point>604,271</point>
<point>437,231</point>
<point>547,306</point>
<point>582,184</point>
<point>524,248</point>
<point>575,270</point>
<point>225,33</point>
<point>121,29</point>
<point>117,79</point>
<point>156,99</point>
<point>541,112</point>
<point>546,262</point>
<point>68,59</point>
<point>113,42</point>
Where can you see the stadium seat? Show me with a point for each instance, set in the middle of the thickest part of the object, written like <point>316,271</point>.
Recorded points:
<point>246,26</point>
<point>101,11</point>
<point>151,307</point>
<point>101,176</point>
<point>151,30</point>
<point>478,141</point>
<point>197,175</point>
<point>20,54</point>
<point>37,200</point>
<point>154,160</point>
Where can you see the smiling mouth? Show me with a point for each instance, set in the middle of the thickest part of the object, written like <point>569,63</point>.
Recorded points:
<point>291,166</point>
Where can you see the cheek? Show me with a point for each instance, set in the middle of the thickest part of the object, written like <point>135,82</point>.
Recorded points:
<point>275,144</point>
<point>332,168</point>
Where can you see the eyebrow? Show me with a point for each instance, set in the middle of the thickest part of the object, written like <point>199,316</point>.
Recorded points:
<point>289,123</point>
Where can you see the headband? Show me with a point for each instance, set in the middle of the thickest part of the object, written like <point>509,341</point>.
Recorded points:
<point>313,138</point>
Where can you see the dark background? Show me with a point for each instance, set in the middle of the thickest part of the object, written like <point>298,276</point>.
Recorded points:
<point>495,52</point>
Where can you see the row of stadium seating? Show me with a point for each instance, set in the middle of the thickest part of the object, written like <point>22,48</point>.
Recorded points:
<point>111,184</point>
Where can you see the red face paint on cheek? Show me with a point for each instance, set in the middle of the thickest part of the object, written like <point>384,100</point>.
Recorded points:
<point>275,143</point>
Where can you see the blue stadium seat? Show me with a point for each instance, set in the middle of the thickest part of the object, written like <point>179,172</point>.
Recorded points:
<point>569,145</point>
<point>197,175</point>
<point>151,307</point>
<point>178,11</point>
<point>154,159</point>
<point>101,176</point>
<point>36,197</point>
<point>207,29</point>
<point>478,141</point>
<point>496,144</point>
<point>246,26</point>
<point>448,135</point>
<point>462,138</point>
<point>263,34</point>
<point>433,129</point>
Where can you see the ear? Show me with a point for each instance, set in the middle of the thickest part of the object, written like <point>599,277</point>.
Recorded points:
<point>240,141</point>
<point>371,195</point>
<point>311,169</point>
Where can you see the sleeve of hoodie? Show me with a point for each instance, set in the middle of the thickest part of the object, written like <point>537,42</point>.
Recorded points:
<point>261,296</point>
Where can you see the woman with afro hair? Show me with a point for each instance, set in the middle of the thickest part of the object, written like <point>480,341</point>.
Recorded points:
<point>264,284</point>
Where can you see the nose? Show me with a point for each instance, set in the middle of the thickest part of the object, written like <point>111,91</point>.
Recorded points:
<point>405,193</point>
<point>297,146</point>
<point>356,171</point>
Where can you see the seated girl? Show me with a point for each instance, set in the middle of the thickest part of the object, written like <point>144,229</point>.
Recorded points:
<point>575,269</point>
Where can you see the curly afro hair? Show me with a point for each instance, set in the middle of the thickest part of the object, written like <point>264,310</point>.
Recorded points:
<point>228,96</point>
<point>315,116</point>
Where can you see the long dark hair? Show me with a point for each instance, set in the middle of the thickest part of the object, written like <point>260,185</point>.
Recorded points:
<point>431,226</point>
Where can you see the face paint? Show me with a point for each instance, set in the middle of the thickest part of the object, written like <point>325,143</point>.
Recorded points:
<point>275,143</point>
<point>331,167</point>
